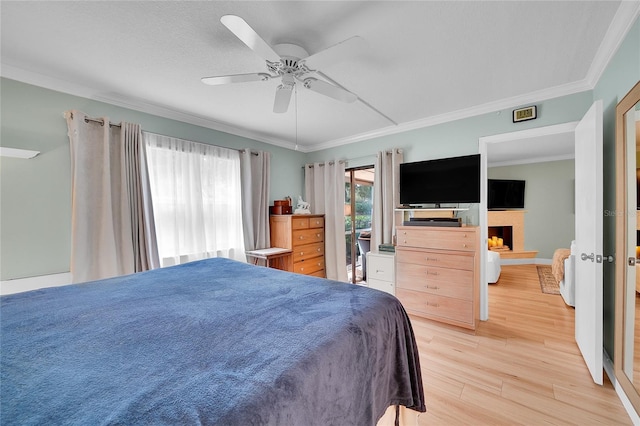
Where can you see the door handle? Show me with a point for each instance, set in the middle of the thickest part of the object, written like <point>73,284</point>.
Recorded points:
<point>598,258</point>
<point>584,256</point>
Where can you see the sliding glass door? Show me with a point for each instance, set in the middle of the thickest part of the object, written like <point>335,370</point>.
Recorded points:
<point>358,206</point>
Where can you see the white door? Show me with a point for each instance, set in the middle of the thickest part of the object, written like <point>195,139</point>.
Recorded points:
<point>589,212</point>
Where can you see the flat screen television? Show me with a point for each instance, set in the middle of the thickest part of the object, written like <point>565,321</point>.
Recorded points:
<point>445,180</point>
<point>505,194</point>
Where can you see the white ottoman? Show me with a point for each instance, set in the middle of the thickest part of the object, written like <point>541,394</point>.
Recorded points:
<point>493,266</point>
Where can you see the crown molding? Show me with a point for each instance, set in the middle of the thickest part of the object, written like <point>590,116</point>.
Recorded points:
<point>491,107</point>
<point>623,20</point>
<point>627,13</point>
<point>74,89</point>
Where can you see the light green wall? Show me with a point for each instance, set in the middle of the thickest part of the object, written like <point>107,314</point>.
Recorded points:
<point>35,203</point>
<point>549,202</point>
<point>622,73</point>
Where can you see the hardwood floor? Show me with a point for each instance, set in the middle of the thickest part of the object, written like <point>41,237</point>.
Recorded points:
<point>521,367</point>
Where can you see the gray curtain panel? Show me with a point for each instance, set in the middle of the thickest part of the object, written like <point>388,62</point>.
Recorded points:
<point>385,198</point>
<point>255,171</point>
<point>105,241</point>
<point>324,189</point>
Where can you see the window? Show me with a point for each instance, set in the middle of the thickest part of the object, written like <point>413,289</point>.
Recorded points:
<point>196,196</point>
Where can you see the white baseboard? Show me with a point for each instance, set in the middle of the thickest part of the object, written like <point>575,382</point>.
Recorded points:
<point>20,285</point>
<point>608,368</point>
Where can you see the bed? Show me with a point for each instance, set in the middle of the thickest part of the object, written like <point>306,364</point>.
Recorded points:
<point>209,342</point>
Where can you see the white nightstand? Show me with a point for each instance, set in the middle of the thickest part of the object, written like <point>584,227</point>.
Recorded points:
<point>381,271</point>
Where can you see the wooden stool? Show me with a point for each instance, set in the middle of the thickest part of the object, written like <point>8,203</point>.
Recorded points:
<point>274,257</point>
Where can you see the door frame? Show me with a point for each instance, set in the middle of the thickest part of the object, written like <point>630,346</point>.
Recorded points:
<point>483,143</point>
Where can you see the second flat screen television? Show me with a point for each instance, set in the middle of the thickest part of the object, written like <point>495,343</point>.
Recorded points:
<point>445,180</point>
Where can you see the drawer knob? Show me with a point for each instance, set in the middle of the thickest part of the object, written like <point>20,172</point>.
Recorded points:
<point>318,235</point>
<point>301,237</point>
<point>464,245</point>
<point>318,250</point>
<point>301,253</point>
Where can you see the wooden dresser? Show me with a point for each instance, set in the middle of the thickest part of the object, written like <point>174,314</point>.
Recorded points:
<point>304,234</point>
<point>438,273</point>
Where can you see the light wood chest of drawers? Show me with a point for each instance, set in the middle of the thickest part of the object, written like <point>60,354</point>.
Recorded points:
<point>437,273</point>
<point>304,235</point>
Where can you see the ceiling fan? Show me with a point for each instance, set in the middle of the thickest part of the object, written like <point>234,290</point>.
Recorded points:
<point>291,63</point>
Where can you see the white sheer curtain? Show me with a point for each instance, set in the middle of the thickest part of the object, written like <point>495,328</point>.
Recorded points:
<point>111,220</point>
<point>386,190</point>
<point>197,199</point>
<point>324,189</point>
<point>255,168</point>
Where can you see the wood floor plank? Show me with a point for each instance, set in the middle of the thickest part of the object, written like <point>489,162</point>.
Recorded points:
<point>522,366</point>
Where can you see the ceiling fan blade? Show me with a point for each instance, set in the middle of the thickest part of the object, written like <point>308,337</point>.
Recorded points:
<point>235,78</point>
<point>244,32</point>
<point>283,97</point>
<point>330,90</point>
<point>336,53</point>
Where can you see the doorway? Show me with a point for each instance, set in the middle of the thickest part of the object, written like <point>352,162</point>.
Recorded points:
<point>358,208</point>
<point>525,138</point>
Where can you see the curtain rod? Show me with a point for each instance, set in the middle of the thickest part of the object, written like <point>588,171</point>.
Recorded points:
<point>331,163</point>
<point>97,120</point>
<point>207,144</point>
<point>101,121</point>
<point>398,151</point>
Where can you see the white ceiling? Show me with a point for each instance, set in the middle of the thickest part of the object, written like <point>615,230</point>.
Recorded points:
<point>536,149</point>
<point>426,61</point>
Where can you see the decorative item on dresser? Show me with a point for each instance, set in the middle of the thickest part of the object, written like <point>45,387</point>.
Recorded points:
<point>304,234</point>
<point>438,273</point>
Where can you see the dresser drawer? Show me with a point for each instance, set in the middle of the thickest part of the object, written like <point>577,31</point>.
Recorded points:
<point>316,222</point>
<point>309,266</point>
<point>299,223</point>
<point>438,238</point>
<point>447,308</point>
<point>307,236</point>
<point>381,285</point>
<point>431,279</point>
<point>434,258</point>
<point>380,267</point>
<point>308,251</point>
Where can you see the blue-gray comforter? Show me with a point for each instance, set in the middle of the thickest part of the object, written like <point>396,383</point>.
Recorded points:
<point>209,342</point>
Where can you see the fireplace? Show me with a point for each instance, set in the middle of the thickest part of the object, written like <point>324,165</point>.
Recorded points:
<point>504,232</point>
<point>509,225</point>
